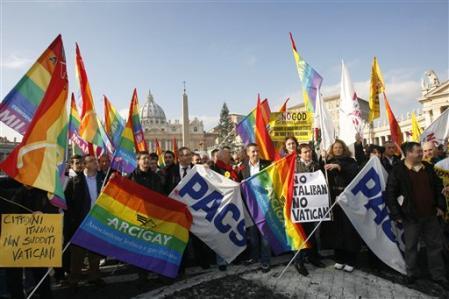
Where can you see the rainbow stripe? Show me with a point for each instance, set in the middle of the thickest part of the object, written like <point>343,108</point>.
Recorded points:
<point>263,139</point>
<point>113,122</point>
<point>160,154</point>
<point>268,195</point>
<point>310,79</point>
<point>79,146</point>
<point>137,226</point>
<point>139,138</point>
<point>18,107</point>
<point>38,160</point>
<point>246,128</point>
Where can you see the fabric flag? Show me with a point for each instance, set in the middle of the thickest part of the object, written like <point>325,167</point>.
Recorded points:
<point>38,160</point>
<point>268,195</point>
<point>416,129</point>
<point>324,131</point>
<point>377,86</point>
<point>91,130</point>
<point>395,130</point>
<point>246,127</point>
<point>364,204</point>
<point>124,159</point>
<point>113,122</point>
<point>350,121</point>
<point>438,131</point>
<point>310,79</point>
<point>80,146</point>
<point>217,210</point>
<point>263,139</point>
<point>160,154</point>
<point>136,226</point>
<point>284,106</point>
<point>20,104</point>
<point>139,138</point>
<point>442,170</point>
<point>175,150</point>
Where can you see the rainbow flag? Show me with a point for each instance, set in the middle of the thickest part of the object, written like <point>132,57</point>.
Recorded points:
<point>91,130</point>
<point>19,106</point>
<point>268,195</point>
<point>38,160</point>
<point>124,159</point>
<point>137,226</point>
<point>175,149</point>
<point>139,138</point>
<point>79,146</point>
<point>113,122</point>
<point>263,139</point>
<point>310,79</point>
<point>246,128</point>
<point>160,154</point>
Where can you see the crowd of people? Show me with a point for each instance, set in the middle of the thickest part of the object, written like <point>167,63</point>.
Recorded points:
<point>414,195</point>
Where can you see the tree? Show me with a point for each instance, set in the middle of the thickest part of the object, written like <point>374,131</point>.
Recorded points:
<point>225,126</point>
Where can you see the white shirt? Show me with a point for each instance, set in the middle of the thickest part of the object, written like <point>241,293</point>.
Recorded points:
<point>181,170</point>
<point>92,186</point>
<point>253,169</point>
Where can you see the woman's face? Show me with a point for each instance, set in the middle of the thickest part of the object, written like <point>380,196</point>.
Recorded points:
<point>290,146</point>
<point>337,149</point>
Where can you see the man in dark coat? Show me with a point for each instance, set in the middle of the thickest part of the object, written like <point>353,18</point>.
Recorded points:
<point>414,198</point>
<point>143,175</point>
<point>389,158</point>
<point>81,193</point>
<point>259,247</point>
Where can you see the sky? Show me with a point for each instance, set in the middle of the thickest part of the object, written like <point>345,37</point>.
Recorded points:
<point>228,51</point>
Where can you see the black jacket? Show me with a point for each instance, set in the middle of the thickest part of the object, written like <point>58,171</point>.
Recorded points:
<point>172,178</point>
<point>386,164</point>
<point>399,183</point>
<point>34,199</point>
<point>78,201</point>
<point>244,170</point>
<point>147,179</point>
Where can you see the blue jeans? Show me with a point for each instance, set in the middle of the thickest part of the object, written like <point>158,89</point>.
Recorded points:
<point>260,249</point>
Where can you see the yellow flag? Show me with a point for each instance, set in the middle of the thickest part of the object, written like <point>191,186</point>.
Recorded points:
<point>377,86</point>
<point>416,130</point>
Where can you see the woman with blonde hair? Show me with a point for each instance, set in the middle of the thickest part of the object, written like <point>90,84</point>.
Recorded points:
<point>339,234</point>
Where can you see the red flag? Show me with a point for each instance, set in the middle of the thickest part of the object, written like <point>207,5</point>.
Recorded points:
<point>175,149</point>
<point>263,139</point>
<point>284,107</point>
<point>395,130</point>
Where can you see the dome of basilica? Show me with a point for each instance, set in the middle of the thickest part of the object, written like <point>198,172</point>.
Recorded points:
<point>152,113</point>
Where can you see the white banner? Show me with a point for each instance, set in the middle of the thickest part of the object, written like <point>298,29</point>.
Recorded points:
<point>438,131</point>
<point>216,205</point>
<point>364,204</point>
<point>310,197</point>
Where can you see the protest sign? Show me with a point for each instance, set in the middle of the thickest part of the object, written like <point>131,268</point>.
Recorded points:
<point>297,124</point>
<point>31,240</point>
<point>310,198</point>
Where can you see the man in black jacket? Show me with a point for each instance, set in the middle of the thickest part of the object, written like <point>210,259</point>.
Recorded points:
<point>81,193</point>
<point>258,246</point>
<point>414,198</point>
<point>143,175</point>
<point>175,173</point>
<point>389,159</point>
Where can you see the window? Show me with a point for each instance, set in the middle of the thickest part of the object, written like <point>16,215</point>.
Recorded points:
<point>195,129</point>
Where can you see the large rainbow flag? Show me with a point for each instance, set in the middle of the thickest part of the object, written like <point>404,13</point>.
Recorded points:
<point>137,226</point>
<point>113,122</point>
<point>38,160</point>
<point>246,127</point>
<point>268,195</point>
<point>20,104</point>
<point>310,79</point>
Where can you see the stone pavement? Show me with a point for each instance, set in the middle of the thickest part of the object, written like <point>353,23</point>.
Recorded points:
<point>321,283</point>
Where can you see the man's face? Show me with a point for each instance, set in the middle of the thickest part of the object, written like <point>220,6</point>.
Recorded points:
<point>104,163</point>
<point>428,150</point>
<point>144,162</point>
<point>76,165</point>
<point>90,163</point>
<point>253,153</point>
<point>168,158</point>
<point>376,153</point>
<point>389,149</point>
<point>225,155</point>
<point>185,157</point>
<point>204,159</point>
<point>196,159</point>
<point>153,165</point>
<point>416,155</point>
<point>306,154</point>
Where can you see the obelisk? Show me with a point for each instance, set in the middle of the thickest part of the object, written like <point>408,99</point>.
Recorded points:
<point>185,119</point>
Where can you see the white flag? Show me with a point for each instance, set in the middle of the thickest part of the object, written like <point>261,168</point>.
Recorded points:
<point>364,204</point>
<point>216,206</point>
<point>323,123</point>
<point>350,121</point>
<point>438,131</point>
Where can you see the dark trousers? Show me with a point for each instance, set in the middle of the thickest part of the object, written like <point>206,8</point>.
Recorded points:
<point>346,257</point>
<point>312,252</point>
<point>77,255</point>
<point>14,282</point>
<point>430,230</point>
